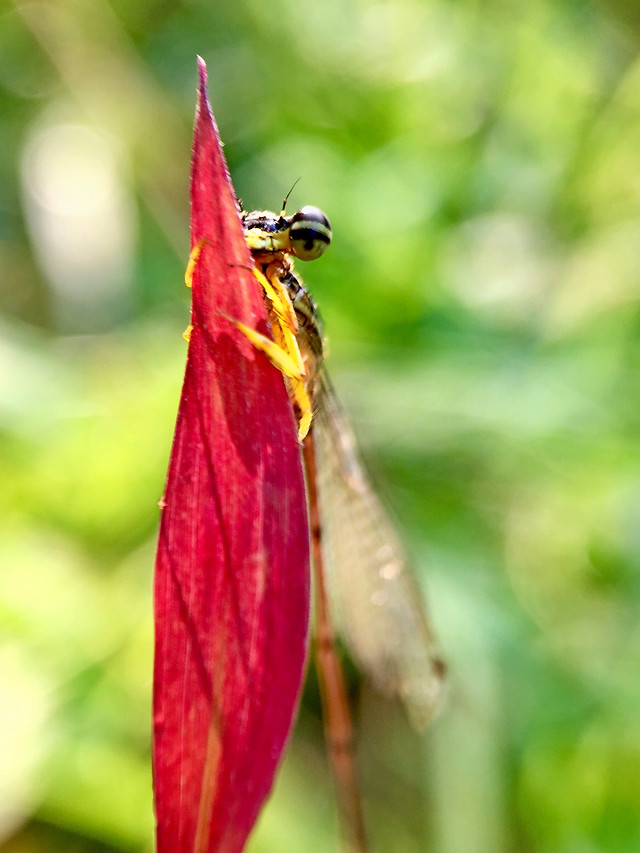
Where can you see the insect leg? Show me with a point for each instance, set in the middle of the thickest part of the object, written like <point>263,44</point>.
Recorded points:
<point>283,351</point>
<point>276,294</point>
<point>289,367</point>
<point>277,355</point>
<point>193,260</point>
<point>188,276</point>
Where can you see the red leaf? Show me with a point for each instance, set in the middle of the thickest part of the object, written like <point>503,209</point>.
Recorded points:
<point>232,579</point>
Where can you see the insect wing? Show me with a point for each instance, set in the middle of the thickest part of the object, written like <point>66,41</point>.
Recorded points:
<point>380,611</point>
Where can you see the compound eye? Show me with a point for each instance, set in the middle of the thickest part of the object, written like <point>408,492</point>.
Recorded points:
<point>309,233</point>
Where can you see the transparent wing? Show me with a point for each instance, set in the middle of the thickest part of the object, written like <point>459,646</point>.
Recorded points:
<point>380,611</point>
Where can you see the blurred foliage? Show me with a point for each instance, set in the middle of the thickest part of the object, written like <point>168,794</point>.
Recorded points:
<point>480,165</point>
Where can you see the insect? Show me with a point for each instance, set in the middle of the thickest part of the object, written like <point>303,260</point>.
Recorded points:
<point>380,611</point>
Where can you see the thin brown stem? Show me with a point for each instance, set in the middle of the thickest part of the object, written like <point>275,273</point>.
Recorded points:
<point>337,716</point>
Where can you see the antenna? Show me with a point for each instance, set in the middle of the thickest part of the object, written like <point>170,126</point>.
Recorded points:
<point>286,198</point>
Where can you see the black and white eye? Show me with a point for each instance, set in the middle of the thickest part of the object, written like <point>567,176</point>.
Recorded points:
<point>309,233</point>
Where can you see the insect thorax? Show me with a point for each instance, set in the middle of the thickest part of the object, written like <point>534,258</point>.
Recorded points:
<point>266,232</point>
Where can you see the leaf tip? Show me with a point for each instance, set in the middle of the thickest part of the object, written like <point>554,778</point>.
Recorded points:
<point>202,74</point>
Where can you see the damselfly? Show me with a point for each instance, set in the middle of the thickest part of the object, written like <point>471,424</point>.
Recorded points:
<point>379,609</point>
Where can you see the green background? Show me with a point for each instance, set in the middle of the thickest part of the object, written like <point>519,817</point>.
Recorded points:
<point>479,162</point>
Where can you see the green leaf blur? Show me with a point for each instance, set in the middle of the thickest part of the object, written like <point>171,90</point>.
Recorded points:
<point>479,164</point>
